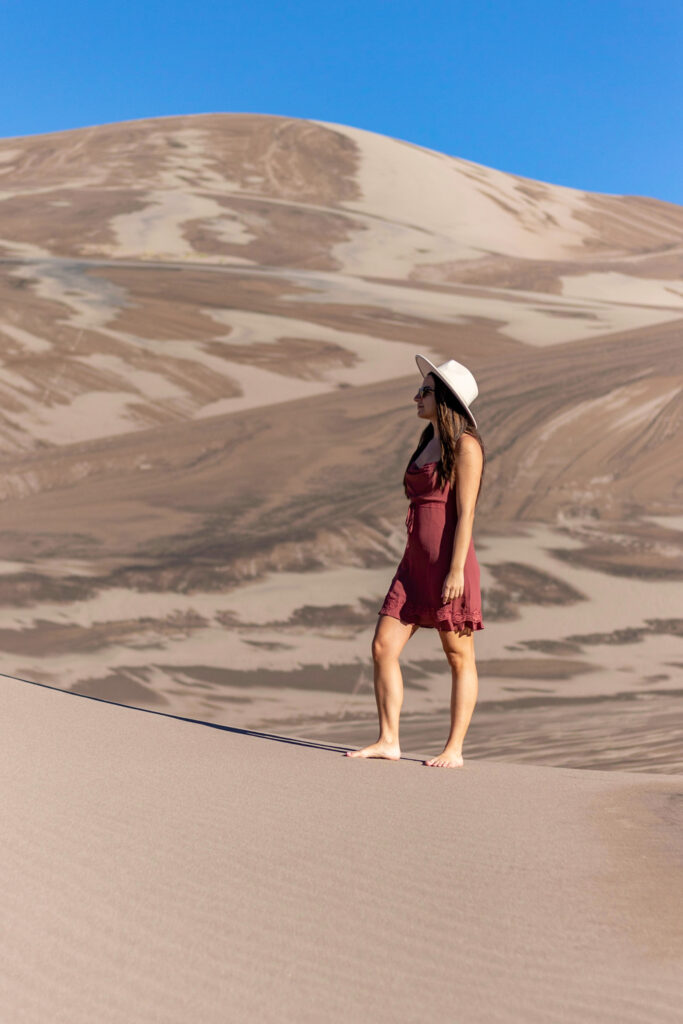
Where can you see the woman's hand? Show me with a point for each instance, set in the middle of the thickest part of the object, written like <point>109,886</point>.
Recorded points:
<point>453,585</point>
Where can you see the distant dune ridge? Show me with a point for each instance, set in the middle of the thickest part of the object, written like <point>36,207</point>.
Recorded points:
<point>207,331</point>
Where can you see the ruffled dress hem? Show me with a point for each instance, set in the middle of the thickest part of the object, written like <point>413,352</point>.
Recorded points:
<point>442,619</point>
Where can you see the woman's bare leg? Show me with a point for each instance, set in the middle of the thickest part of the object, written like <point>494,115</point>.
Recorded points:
<point>391,636</point>
<point>459,648</point>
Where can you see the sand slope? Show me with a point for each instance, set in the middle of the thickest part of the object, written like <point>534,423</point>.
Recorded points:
<point>207,336</point>
<point>154,869</point>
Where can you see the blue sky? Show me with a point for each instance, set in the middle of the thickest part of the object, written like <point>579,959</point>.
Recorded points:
<point>586,94</point>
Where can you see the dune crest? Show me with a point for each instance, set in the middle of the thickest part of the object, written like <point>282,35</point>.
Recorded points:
<point>174,860</point>
<point>207,345</point>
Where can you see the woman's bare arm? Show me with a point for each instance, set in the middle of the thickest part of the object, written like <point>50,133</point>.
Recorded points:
<point>469,464</point>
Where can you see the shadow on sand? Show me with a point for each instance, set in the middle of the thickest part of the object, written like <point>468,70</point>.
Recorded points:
<point>198,721</point>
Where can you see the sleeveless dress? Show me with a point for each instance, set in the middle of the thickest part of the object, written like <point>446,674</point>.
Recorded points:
<point>415,592</point>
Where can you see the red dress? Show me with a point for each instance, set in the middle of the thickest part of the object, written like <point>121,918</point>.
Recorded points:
<point>415,592</point>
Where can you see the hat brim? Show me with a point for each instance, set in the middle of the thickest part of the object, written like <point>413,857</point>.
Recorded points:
<point>425,366</point>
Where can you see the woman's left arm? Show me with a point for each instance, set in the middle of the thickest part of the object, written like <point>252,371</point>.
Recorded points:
<point>469,465</point>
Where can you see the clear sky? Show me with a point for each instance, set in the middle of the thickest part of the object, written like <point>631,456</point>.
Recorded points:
<point>586,93</point>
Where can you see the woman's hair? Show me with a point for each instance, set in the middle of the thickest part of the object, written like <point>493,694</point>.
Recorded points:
<point>453,423</point>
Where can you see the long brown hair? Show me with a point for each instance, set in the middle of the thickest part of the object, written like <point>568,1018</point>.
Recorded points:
<point>453,423</point>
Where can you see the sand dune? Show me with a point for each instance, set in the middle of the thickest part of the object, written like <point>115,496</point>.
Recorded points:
<point>154,869</point>
<point>134,244</point>
<point>207,337</point>
<point>206,366</point>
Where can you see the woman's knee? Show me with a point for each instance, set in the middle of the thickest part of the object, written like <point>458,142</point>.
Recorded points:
<point>460,657</point>
<point>380,649</point>
<point>384,648</point>
<point>390,638</point>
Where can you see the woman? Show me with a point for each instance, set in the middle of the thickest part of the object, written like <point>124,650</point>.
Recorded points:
<point>436,584</point>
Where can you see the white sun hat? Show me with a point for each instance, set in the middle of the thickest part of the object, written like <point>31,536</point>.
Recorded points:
<point>456,377</point>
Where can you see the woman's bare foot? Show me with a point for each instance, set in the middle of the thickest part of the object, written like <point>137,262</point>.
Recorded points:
<point>392,751</point>
<point>448,759</point>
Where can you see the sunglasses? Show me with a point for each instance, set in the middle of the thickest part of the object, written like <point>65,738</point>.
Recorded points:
<point>426,389</point>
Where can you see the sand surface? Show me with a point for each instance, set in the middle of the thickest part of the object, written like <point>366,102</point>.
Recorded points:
<point>207,336</point>
<point>587,679</point>
<point>157,869</point>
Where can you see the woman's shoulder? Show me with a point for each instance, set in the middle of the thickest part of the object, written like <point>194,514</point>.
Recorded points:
<point>468,445</point>
<point>469,455</point>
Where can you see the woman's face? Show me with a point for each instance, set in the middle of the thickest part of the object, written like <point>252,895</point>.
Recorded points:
<point>426,402</point>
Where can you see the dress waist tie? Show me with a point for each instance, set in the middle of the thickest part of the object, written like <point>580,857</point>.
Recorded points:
<point>410,518</point>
